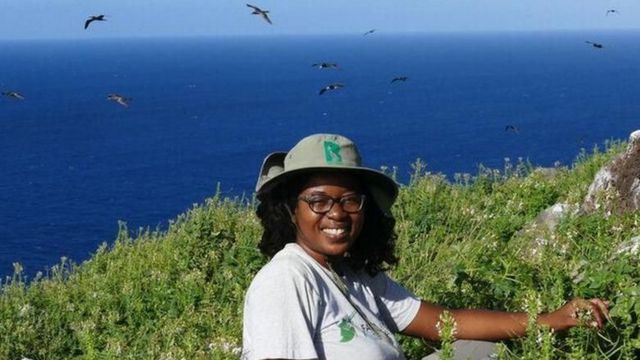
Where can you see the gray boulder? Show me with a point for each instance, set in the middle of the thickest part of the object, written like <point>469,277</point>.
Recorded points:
<point>616,187</point>
<point>551,216</point>
<point>630,247</point>
<point>540,229</point>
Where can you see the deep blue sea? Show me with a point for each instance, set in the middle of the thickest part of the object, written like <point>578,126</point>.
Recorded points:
<point>205,111</point>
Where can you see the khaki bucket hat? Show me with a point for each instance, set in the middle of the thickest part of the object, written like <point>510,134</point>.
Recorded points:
<point>326,152</point>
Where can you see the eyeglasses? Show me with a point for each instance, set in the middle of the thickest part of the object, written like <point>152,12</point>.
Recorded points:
<point>322,204</point>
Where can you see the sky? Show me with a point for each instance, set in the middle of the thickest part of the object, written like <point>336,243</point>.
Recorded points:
<point>64,19</point>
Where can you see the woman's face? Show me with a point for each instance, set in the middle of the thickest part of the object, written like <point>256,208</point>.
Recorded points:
<point>332,233</point>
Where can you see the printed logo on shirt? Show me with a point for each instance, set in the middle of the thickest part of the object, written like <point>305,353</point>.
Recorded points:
<point>347,330</point>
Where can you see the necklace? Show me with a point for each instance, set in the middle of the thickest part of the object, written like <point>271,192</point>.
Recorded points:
<point>342,286</point>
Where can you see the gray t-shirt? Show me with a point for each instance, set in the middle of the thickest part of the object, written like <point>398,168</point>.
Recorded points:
<point>294,310</point>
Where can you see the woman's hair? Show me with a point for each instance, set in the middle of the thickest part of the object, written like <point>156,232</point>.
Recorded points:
<point>371,251</point>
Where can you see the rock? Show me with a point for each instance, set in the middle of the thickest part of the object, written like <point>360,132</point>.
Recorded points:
<point>469,349</point>
<point>549,218</point>
<point>629,247</point>
<point>552,215</point>
<point>616,187</point>
<point>543,225</point>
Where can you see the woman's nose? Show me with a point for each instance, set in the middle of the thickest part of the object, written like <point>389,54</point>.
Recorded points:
<point>336,211</point>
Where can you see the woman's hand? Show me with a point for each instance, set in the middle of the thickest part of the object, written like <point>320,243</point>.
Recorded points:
<point>577,312</point>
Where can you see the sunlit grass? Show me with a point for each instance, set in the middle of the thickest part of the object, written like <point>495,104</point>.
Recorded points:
<point>179,294</point>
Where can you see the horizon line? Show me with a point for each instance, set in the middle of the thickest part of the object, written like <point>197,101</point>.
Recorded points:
<point>379,33</point>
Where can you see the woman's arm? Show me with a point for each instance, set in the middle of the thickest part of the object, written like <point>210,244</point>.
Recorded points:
<point>499,325</point>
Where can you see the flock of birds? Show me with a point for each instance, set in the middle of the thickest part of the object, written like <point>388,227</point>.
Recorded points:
<point>264,14</point>
<point>599,45</point>
<point>117,98</point>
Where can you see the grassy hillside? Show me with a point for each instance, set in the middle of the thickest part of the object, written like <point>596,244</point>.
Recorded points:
<point>178,294</point>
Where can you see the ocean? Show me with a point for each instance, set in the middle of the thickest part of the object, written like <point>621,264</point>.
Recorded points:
<point>205,111</point>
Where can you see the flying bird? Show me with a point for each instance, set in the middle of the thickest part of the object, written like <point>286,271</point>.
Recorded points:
<point>124,101</point>
<point>595,45</point>
<point>258,11</point>
<point>13,94</point>
<point>325,65</point>
<point>612,11</point>
<point>399,78</point>
<point>92,19</point>
<point>513,128</point>
<point>330,87</point>
<point>369,32</point>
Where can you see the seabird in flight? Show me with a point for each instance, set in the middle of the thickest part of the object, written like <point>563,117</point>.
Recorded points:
<point>92,19</point>
<point>513,128</point>
<point>595,45</point>
<point>258,11</point>
<point>325,65</point>
<point>399,78</point>
<point>13,94</point>
<point>329,87</point>
<point>612,11</point>
<point>124,101</point>
<point>369,32</point>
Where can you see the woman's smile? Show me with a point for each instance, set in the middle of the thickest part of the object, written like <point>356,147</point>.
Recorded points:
<point>335,232</point>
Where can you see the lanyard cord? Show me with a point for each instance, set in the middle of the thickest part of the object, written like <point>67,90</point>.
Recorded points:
<point>342,286</point>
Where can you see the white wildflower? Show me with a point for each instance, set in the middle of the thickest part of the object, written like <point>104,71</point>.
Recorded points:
<point>24,310</point>
<point>447,326</point>
<point>532,303</point>
<point>225,347</point>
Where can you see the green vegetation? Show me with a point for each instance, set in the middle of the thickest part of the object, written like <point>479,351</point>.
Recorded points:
<point>178,294</point>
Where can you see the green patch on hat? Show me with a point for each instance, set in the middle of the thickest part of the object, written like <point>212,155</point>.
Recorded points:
<point>332,153</point>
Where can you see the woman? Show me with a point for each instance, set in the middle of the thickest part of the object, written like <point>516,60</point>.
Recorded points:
<point>324,294</point>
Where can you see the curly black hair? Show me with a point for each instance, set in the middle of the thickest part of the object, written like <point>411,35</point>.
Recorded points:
<point>373,251</point>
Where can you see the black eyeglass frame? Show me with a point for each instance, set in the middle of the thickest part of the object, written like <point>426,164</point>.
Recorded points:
<point>332,201</point>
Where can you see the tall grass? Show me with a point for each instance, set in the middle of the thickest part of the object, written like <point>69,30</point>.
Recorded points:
<point>178,294</point>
